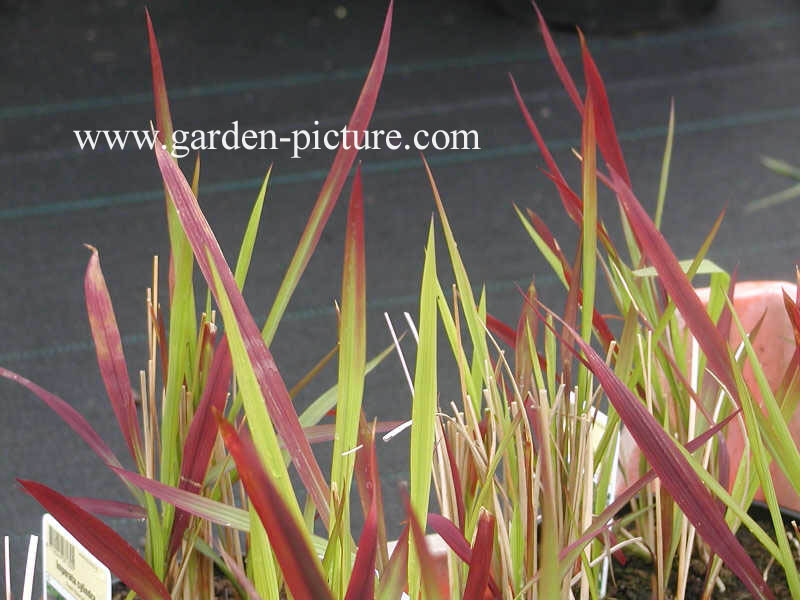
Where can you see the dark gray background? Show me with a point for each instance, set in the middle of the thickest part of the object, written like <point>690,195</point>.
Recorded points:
<point>733,75</point>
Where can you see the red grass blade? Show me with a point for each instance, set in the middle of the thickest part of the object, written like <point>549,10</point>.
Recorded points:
<point>110,508</point>
<point>110,356</point>
<point>368,481</point>
<point>273,388</point>
<point>558,64</point>
<point>481,564</point>
<point>362,580</point>
<point>163,118</point>
<point>572,203</point>
<point>456,541</point>
<point>202,434</point>
<point>658,252</point>
<point>501,330</point>
<point>607,139</point>
<point>70,416</point>
<point>677,476</point>
<point>435,588</point>
<point>300,567</point>
<point>334,182</point>
<point>100,540</point>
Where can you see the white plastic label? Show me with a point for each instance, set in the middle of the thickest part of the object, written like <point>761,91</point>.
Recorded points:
<point>70,572</point>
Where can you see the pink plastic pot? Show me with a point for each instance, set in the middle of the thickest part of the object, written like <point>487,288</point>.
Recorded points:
<point>774,346</point>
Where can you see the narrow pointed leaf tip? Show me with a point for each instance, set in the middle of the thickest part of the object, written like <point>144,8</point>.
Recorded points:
<point>163,118</point>
<point>299,565</point>
<point>334,182</point>
<point>110,356</point>
<point>100,540</point>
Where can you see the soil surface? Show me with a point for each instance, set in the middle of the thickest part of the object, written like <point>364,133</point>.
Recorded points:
<point>634,580</point>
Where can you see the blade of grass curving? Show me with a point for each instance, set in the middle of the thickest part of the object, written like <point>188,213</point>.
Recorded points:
<point>678,478</point>
<point>424,406</point>
<point>110,356</point>
<point>428,580</point>
<point>190,502</point>
<point>481,563</point>
<point>352,362</point>
<point>333,184</point>
<point>70,416</point>
<point>300,566</point>
<point>110,508</point>
<point>100,540</point>
<point>250,233</point>
<point>202,434</point>
<point>255,364</point>
<point>658,252</point>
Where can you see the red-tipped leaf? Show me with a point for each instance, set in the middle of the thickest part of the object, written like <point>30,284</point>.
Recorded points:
<point>110,356</point>
<point>362,579</point>
<point>433,584</point>
<point>456,541</point>
<point>334,182</point>
<point>163,118</point>
<point>558,63</point>
<point>481,563</point>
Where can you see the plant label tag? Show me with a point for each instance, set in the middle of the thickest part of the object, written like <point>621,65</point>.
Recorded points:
<point>69,571</point>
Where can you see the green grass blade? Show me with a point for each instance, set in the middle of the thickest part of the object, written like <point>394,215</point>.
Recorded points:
<point>352,362</point>
<point>475,326</point>
<point>662,183</point>
<point>249,240</point>
<point>423,410</point>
